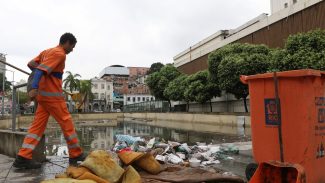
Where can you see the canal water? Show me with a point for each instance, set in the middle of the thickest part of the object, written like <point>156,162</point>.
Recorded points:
<point>102,137</point>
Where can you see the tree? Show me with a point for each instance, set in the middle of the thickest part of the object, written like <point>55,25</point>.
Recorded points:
<point>7,83</point>
<point>72,82</point>
<point>235,60</point>
<point>23,97</point>
<point>176,89</point>
<point>155,67</point>
<point>158,81</point>
<point>201,88</point>
<point>302,51</point>
<point>85,90</point>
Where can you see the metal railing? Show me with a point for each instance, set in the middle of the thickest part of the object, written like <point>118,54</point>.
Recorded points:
<point>149,106</point>
<point>14,111</point>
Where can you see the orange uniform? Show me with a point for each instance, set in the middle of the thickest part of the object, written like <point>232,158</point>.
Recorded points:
<point>51,101</point>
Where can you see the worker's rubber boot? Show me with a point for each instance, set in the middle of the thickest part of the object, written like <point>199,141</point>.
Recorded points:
<point>74,161</point>
<point>24,163</point>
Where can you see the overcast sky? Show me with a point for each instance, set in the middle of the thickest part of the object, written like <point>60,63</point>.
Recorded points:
<point>127,32</point>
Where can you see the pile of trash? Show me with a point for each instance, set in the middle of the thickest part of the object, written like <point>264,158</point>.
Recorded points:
<point>136,160</point>
<point>199,155</point>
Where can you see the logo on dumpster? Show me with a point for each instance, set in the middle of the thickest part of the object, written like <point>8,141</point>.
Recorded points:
<point>320,103</point>
<point>271,112</point>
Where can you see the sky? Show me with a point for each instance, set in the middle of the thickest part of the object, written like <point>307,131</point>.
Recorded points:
<point>126,32</point>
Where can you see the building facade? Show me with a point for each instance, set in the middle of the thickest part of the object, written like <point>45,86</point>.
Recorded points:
<point>271,30</point>
<point>102,95</point>
<point>137,98</point>
<point>119,76</point>
<point>2,66</point>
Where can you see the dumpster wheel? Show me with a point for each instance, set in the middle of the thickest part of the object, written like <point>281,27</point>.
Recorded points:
<point>250,170</point>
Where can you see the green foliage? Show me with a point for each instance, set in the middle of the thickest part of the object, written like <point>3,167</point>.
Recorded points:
<point>155,67</point>
<point>200,88</point>
<point>23,97</point>
<point>302,51</point>
<point>7,83</point>
<point>240,59</point>
<point>176,88</point>
<point>158,81</point>
<point>72,82</point>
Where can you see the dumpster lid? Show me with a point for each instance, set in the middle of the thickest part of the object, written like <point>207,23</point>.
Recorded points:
<point>292,73</point>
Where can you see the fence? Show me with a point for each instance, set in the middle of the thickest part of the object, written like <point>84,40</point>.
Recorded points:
<point>149,106</point>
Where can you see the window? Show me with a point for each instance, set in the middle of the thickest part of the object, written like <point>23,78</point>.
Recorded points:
<point>108,87</point>
<point>95,86</point>
<point>294,1</point>
<point>103,86</point>
<point>95,95</point>
<point>102,96</point>
<point>147,98</point>
<point>139,99</point>
<point>133,99</point>
<point>143,99</point>
<point>128,99</point>
<point>151,98</point>
<point>108,97</point>
<point>285,5</point>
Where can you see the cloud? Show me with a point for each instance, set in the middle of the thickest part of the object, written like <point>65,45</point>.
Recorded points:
<point>127,32</point>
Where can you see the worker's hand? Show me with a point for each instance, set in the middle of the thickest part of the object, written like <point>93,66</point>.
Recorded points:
<point>33,93</point>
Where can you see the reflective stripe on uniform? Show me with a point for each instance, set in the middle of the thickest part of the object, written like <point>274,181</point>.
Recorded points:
<point>28,146</point>
<point>33,63</point>
<point>47,68</point>
<point>33,136</point>
<point>51,94</point>
<point>73,146</point>
<point>69,138</point>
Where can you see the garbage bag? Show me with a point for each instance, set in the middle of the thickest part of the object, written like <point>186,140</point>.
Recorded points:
<point>131,176</point>
<point>128,157</point>
<point>82,173</point>
<point>149,164</point>
<point>67,180</point>
<point>102,164</point>
<point>127,138</point>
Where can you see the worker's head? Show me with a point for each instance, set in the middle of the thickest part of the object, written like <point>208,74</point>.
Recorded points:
<point>68,42</point>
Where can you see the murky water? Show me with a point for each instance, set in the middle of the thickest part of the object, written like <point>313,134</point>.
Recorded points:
<point>102,137</point>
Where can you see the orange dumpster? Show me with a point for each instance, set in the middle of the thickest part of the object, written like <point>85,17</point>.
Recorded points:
<point>288,125</point>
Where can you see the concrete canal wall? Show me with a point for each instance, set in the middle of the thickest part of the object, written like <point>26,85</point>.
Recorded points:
<point>230,120</point>
<point>12,141</point>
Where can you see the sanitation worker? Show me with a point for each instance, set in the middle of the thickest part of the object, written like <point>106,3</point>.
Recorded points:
<point>46,87</point>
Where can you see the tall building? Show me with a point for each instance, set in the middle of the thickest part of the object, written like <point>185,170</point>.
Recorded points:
<point>2,66</point>
<point>119,76</point>
<point>277,5</point>
<point>103,95</point>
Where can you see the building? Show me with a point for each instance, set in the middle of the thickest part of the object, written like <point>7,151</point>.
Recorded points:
<point>103,95</point>
<point>136,72</point>
<point>2,66</point>
<point>277,5</point>
<point>119,76</point>
<point>288,17</point>
<point>271,30</point>
<point>137,98</point>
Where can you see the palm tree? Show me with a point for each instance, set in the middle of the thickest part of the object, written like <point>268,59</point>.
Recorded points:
<point>73,83</point>
<point>85,90</point>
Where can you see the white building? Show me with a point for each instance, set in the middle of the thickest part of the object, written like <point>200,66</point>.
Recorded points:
<point>2,66</point>
<point>277,5</point>
<point>137,98</point>
<point>103,94</point>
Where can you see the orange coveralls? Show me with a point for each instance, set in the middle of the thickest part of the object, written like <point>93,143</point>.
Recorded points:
<point>51,101</point>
